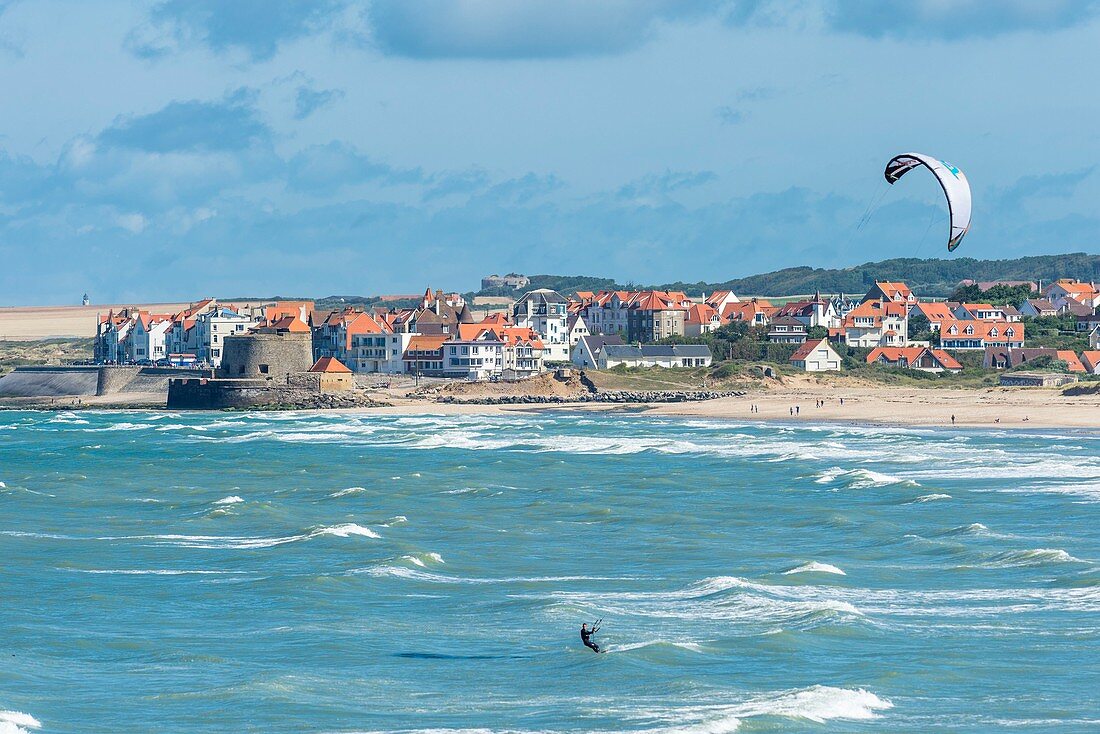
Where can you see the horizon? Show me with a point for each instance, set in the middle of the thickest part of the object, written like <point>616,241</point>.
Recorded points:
<point>346,146</point>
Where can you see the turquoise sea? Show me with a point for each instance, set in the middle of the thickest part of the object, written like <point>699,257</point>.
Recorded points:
<point>277,572</point>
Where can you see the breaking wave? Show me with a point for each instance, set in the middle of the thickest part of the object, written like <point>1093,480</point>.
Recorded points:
<point>423,559</point>
<point>16,722</point>
<point>818,704</point>
<point>230,500</point>
<point>931,497</point>
<point>693,646</point>
<point>348,491</point>
<point>815,567</point>
<point>1033,557</point>
<point>860,478</point>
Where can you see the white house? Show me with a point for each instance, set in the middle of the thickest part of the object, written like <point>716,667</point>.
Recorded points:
<point>212,328</point>
<point>877,324</point>
<point>545,311</point>
<point>663,355</point>
<point>577,328</point>
<point>586,353</point>
<point>816,355</point>
<point>476,358</point>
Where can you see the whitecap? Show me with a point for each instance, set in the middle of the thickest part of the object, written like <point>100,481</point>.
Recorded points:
<point>16,722</point>
<point>347,529</point>
<point>818,704</point>
<point>860,478</point>
<point>1033,557</point>
<point>931,497</point>
<point>348,491</point>
<point>815,567</point>
<point>693,646</point>
<point>230,500</point>
<point>423,559</point>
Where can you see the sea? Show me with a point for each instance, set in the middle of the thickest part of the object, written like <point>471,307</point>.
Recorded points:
<point>308,572</point>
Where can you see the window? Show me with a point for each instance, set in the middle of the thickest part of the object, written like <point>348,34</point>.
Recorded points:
<point>263,369</point>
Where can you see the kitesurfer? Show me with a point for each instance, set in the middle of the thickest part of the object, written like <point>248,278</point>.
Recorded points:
<point>586,635</point>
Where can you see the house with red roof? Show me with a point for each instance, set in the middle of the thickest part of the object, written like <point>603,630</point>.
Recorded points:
<point>424,354</point>
<point>755,311</point>
<point>817,355</point>
<point>879,323</point>
<point>701,318</point>
<point>720,299</point>
<point>935,311</point>
<point>332,375</point>
<point>816,311</point>
<point>1091,361</point>
<point>924,359</point>
<point>656,315</point>
<point>973,334</point>
<point>1066,289</point>
<point>884,290</point>
<point>1001,358</point>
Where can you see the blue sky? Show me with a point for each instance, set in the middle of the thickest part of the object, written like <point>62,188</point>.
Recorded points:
<point>170,150</point>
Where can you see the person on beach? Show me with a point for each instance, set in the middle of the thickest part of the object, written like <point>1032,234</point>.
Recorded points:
<point>952,419</point>
<point>586,636</point>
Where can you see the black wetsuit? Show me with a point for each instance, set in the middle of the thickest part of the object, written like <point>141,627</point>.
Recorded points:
<point>586,638</point>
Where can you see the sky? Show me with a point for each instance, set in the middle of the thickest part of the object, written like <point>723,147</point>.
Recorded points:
<point>170,150</point>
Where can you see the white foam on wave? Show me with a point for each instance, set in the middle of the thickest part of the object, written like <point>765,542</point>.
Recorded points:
<point>423,559</point>
<point>693,646</point>
<point>16,722</point>
<point>860,478</point>
<point>396,520</point>
<point>1032,557</point>
<point>815,567</point>
<point>931,497</point>
<point>230,500</point>
<point>346,529</point>
<point>818,704</point>
<point>348,491</point>
<point>722,598</point>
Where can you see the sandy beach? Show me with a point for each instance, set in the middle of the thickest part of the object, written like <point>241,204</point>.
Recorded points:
<point>991,407</point>
<point>996,407</point>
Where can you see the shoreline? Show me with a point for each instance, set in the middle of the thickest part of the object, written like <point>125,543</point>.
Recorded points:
<point>999,408</point>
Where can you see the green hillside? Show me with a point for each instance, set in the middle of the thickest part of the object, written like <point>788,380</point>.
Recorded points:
<point>925,277</point>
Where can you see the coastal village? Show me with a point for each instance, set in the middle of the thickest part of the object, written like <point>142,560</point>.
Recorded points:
<point>440,335</point>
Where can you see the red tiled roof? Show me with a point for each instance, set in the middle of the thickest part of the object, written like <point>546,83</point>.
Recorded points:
<point>982,330</point>
<point>330,365</point>
<point>1070,358</point>
<point>912,354</point>
<point>700,313</point>
<point>806,349</point>
<point>1091,360</point>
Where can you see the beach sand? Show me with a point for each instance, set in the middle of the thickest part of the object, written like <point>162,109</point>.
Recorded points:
<point>992,407</point>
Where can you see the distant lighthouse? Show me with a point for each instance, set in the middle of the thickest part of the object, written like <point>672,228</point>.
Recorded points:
<point>85,301</point>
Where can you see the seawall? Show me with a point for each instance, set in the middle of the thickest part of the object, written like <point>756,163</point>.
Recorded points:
<point>87,380</point>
